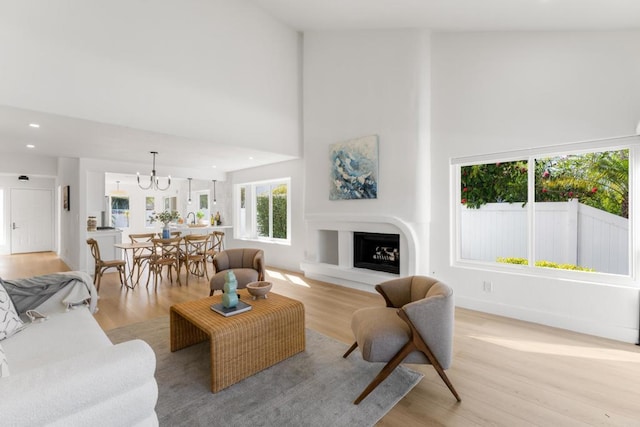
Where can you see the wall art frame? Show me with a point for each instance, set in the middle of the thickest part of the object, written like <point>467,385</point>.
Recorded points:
<point>354,169</point>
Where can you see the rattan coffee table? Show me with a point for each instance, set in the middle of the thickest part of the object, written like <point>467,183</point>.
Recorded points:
<point>243,344</point>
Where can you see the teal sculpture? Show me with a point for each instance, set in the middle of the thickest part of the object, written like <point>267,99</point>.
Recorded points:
<point>230,296</point>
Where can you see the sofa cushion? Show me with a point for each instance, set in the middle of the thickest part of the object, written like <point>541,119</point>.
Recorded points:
<point>4,366</point>
<point>61,336</point>
<point>10,322</point>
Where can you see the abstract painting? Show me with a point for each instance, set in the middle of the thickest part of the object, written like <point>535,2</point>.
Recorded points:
<point>354,169</point>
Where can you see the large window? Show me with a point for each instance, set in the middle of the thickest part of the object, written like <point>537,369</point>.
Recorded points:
<point>203,204</point>
<point>567,211</point>
<point>120,211</point>
<point>263,210</point>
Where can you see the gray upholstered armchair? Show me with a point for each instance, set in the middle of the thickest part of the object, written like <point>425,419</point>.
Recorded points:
<point>246,264</point>
<point>416,326</point>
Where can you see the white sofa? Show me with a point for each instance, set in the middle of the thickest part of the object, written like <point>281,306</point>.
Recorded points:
<point>66,372</point>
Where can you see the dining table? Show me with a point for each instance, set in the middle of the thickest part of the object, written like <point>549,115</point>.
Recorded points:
<point>129,250</point>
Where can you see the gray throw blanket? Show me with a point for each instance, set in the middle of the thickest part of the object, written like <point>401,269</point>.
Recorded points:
<point>29,293</point>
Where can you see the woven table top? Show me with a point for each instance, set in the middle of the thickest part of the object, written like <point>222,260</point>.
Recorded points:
<point>199,313</point>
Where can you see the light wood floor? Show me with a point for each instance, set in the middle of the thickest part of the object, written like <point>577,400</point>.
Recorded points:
<point>508,372</point>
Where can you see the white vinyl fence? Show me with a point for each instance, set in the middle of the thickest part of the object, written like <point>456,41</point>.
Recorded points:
<point>565,232</point>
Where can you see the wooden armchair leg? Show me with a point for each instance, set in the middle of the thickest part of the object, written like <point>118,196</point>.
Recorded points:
<point>388,368</point>
<point>353,347</point>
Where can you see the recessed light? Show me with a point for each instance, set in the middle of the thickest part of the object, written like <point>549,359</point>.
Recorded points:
<point>31,146</point>
<point>250,158</point>
<point>34,125</point>
<point>214,166</point>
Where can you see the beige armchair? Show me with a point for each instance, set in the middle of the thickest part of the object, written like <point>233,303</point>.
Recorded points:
<point>246,264</point>
<point>416,326</point>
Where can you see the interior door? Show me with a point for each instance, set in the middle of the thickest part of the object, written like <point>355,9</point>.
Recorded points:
<point>31,220</point>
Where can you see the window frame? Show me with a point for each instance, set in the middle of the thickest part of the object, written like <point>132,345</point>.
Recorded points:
<point>250,210</point>
<point>631,143</point>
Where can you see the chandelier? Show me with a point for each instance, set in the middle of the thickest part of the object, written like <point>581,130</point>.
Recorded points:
<point>154,183</point>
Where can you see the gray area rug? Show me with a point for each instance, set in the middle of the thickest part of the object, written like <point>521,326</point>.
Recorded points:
<point>313,388</point>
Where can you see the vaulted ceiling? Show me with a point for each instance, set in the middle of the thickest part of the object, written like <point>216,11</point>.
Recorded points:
<point>199,133</point>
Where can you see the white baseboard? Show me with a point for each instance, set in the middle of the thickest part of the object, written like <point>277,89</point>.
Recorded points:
<point>584,326</point>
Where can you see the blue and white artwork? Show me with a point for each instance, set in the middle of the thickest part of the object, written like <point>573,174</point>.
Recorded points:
<point>354,169</point>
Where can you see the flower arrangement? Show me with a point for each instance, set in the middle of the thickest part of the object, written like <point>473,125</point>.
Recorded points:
<point>165,217</point>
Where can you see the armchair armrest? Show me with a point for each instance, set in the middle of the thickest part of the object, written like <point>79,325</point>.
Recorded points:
<point>258,264</point>
<point>396,292</point>
<point>432,318</point>
<point>221,261</point>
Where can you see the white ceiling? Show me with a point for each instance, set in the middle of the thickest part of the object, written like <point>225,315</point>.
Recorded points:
<point>60,136</point>
<point>457,15</point>
<point>71,137</point>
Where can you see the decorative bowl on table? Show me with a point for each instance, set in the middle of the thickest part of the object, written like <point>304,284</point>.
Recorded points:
<point>259,289</point>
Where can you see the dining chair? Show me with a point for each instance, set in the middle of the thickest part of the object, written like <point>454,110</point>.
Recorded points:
<point>166,253</point>
<point>216,244</point>
<point>141,256</point>
<point>194,255</point>
<point>101,265</point>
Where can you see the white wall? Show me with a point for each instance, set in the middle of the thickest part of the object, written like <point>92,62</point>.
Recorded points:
<point>72,239</point>
<point>276,254</point>
<point>359,83</point>
<point>496,92</point>
<point>217,70</point>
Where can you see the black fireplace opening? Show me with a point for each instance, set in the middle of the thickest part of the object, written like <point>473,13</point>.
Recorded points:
<point>377,251</point>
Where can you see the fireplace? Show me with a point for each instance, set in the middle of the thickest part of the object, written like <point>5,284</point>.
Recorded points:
<point>377,251</point>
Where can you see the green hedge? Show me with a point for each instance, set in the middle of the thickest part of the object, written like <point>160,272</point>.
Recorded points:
<point>542,263</point>
<point>279,216</point>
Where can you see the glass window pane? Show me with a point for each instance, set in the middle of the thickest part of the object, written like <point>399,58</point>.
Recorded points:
<point>204,201</point>
<point>149,208</point>
<point>493,215</point>
<point>582,212</point>
<point>120,211</point>
<point>245,216</point>
<point>262,210</point>
<point>279,211</point>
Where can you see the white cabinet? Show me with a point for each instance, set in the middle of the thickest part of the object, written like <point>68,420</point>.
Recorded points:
<point>106,239</point>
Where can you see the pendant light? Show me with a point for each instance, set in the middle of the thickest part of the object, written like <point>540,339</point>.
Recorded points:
<point>189,201</point>
<point>118,192</point>
<point>215,202</point>
<point>154,183</point>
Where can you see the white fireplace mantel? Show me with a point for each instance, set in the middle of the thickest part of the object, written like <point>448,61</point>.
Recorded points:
<point>329,254</point>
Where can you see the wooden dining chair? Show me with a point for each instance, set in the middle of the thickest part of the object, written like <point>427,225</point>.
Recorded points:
<point>194,255</point>
<point>166,253</point>
<point>101,266</point>
<point>216,244</point>
<point>141,256</point>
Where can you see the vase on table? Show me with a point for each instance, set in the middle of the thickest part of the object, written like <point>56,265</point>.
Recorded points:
<point>230,296</point>
<point>166,233</point>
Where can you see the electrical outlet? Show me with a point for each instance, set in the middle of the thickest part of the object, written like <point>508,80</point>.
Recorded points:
<point>487,286</point>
